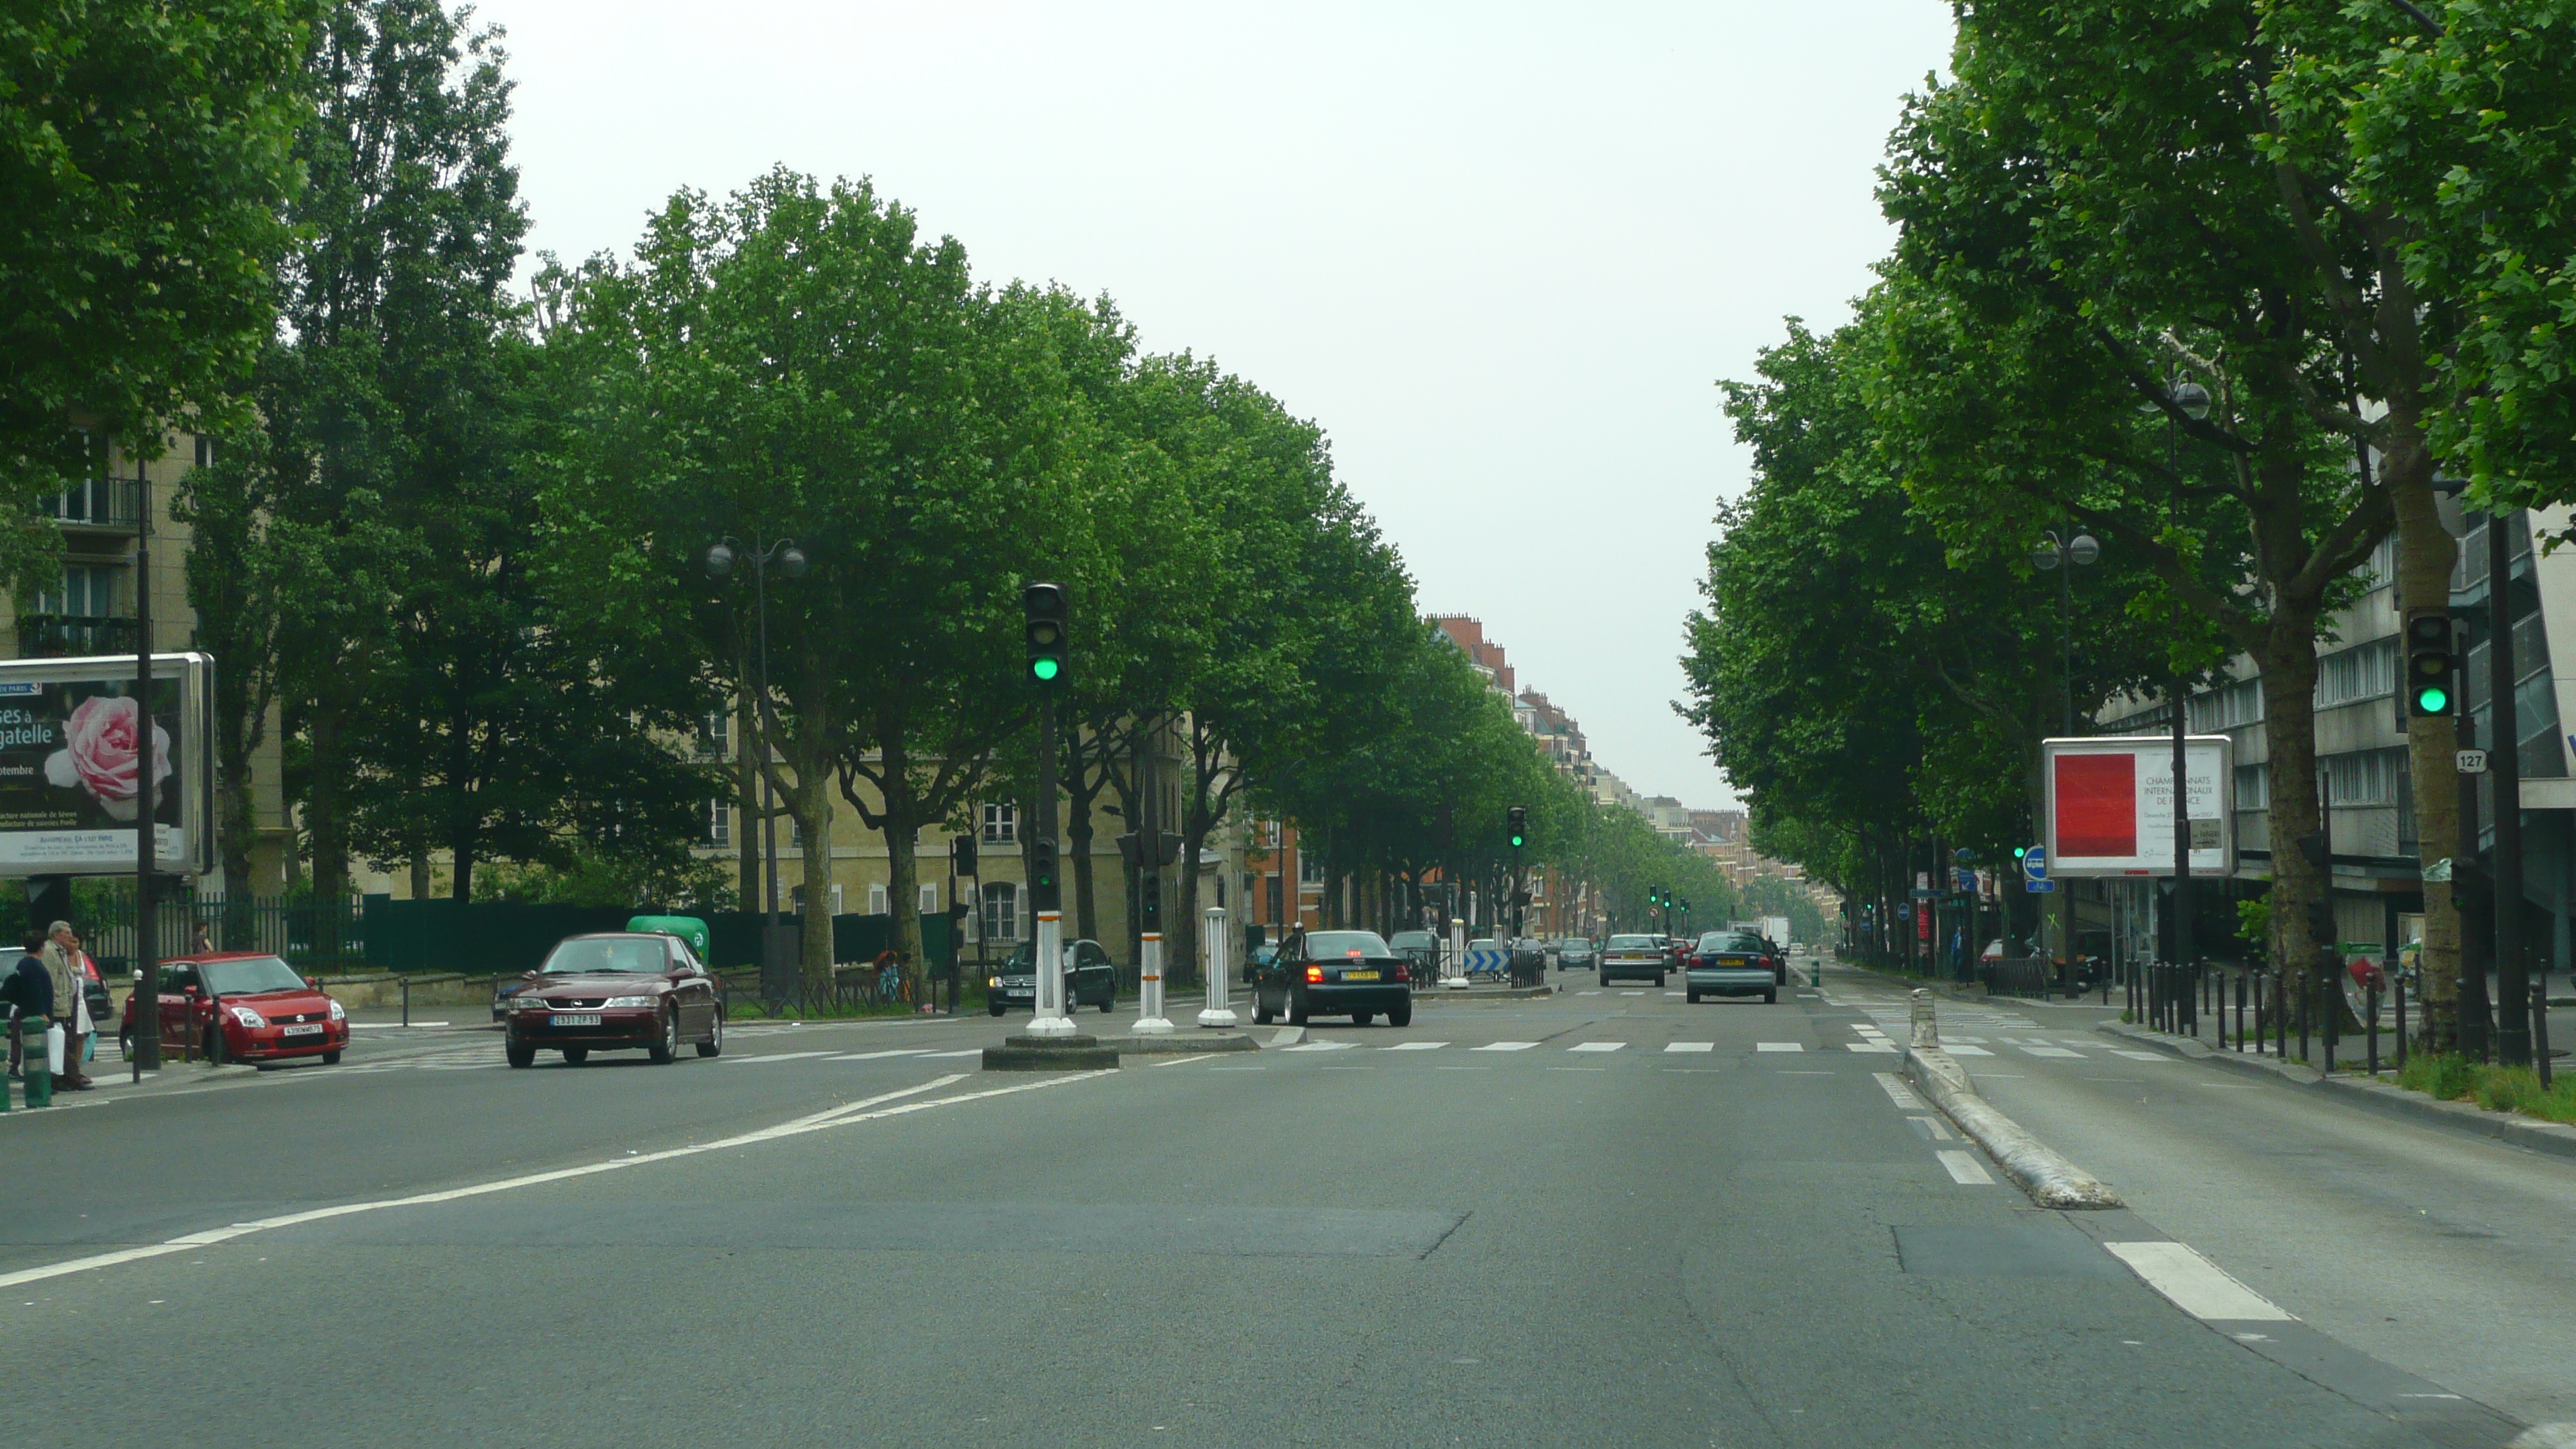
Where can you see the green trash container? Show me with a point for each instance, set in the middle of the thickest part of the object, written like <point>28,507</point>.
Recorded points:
<point>687,928</point>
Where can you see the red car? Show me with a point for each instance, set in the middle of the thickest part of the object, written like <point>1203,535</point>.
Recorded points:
<point>616,990</point>
<point>243,1006</point>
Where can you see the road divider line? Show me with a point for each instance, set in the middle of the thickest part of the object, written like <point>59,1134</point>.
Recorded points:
<point>775,1057</point>
<point>1505,1046</point>
<point>2196,1285</point>
<point>1690,1046</point>
<point>1415,1046</point>
<point>868,1109</point>
<point>1965,1169</point>
<point>872,1056</point>
<point>1899,1093</point>
<point>1597,1046</point>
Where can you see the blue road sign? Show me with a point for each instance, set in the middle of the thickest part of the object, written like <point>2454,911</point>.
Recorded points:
<point>2034,865</point>
<point>2043,887</point>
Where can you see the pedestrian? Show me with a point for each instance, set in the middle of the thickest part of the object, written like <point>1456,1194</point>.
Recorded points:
<point>202,943</point>
<point>889,976</point>
<point>28,991</point>
<point>66,965</point>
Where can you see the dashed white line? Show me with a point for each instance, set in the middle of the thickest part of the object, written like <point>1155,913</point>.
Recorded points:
<point>1779,1046</point>
<point>1965,1169</point>
<point>775,1057</point>
<point>2196,1285</point>
<point>1415,1046</point>
<point>1897,1092</point>
<point>872,1056</point>
<point>1881,1048</point>
<point>1505,1046</point>
<point>1597,1046</point>
<point>1690,1046</point>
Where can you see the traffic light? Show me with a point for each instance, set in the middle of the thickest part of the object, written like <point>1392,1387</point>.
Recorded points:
<point>961,855</point>
<point>2432,665</point>
<point>2321,922</point>
<point>1045,893</point>
<point>1519,826</point>
<point>1049,628</point>
<point>1149,902</point>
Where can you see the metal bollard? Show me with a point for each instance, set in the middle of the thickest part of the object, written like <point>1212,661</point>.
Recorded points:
<point>2399,982</point>
<point>2330,1002</point>
<point>406,991</point>
<point>2240,1012</point>
<point>2371,994</point>
<point>2540,1028</point>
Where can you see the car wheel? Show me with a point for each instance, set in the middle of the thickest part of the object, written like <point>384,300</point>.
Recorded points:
<point>1659,977</point>
<point>330,1059</point>
<point>714,1043</point>
<point>1108,1004</point>
<point>667,1045</point>
<point>996,1006</point>
<point>1691,996</point>
<point>1262,1015</point>
<point>575,1056</point>
<point>1605,978</point>
<point>1296,1008</point>
<point>1362,1018</point>
<point>1401,1016</point>
<point>520,1054</point>
<point>1771,997</point>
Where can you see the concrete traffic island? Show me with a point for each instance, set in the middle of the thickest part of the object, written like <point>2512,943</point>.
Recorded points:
<point>1074,1053</point>
<point>1180,1044</point>
<point>2034,1167</point>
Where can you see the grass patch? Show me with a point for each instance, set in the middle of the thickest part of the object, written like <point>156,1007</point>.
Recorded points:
<point>2453,1078</point>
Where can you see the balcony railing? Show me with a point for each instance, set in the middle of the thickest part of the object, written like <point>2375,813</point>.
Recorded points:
<point>55,636</point>
<point>98,503</point>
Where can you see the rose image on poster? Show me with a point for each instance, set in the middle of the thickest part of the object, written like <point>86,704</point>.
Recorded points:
<point>100,751</point>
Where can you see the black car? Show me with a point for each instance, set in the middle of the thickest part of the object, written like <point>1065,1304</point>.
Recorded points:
<point>1089,979</point>
<point>1335,973</point>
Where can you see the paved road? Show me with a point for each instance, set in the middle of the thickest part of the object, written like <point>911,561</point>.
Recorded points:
<point>1612,1218</point>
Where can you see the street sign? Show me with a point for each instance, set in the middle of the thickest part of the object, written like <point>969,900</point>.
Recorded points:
<point>2039,887</point>
<point>2470,762</point>
<point>2034,864</point>
<point>1964,881</point>
<point>72,775</point>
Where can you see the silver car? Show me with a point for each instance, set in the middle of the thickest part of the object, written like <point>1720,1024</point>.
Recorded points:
<point>1731,963</point>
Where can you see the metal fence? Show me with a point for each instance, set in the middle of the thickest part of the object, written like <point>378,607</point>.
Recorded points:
<point>315,937</point>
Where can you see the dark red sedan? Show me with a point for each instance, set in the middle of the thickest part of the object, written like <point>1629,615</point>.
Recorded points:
<point>242,1006</point>
<point>617,990</point>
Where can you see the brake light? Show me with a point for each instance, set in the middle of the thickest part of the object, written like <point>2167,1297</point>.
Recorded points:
<point>1403,973</point>
<point>1314,973</point>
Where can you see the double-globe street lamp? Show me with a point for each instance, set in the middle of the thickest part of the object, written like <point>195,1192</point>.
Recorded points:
<point>778,959</point>
<point>2063,555</point>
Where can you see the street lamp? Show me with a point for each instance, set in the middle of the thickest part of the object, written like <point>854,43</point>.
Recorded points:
<point>2077,552</point>
<point>2192,401</point>
<point>775,961</point>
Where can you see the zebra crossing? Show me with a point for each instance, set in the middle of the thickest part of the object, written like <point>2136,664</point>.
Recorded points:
<point>1975,1031</point>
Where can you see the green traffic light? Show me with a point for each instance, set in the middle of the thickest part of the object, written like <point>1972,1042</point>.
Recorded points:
<point>1516,842</point>
<point>1045,669</point>
<point>2433,699</point>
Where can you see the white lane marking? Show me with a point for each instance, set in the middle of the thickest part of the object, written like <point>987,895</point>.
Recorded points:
<point>1597,1046</point>
<point>872,1056</point>
<point>1897,1092</point>
<point>1933,1126</point>
<point>1690,1046</point>
<point>1587,993</point>
<point>776,1057</point>
<point>1779,1046</point>
<point>841,1116</point>
<point>1869,1046</point>
<point>1958,1049</point>
<point>1505,1046</point>
<point>1970,1040</point>
<point>969,1052</point>
<point>2140,1056</point>
<point>1965,1169</point>
<point>1672,993</point>
<point>1632,993</point>
<point>2050,1051</point>
<point>458,1066</point>
<point>1321,1046</point>
<point>2196,1285</point>
<point>1415,1046</point>
<point>1185,1061</point>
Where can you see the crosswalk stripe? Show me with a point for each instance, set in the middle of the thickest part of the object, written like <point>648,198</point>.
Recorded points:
<point>1596,1046</point>
<point>1965,1169</point>
<point>2050,1051</point>
<point>1869,1046</point>
<point>1415,1046</point>
<point>1690,1046</point>
<point>1779,1046</point>
<point>1505,1046</point>
<point>2140,1056</point>
<point>1961,1049</point>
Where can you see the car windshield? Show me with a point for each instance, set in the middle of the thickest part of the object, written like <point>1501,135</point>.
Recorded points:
<point>1574,943</point>
<point>620,955</point>
<point>1328,945</point>
<point>245,977</point>
<point>1632,943</point>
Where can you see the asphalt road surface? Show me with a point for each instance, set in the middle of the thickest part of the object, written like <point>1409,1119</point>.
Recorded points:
<point>1605,1218</point>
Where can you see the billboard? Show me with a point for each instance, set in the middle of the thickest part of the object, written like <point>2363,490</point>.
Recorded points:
<point>73,751</point>
<point>2110,805</point>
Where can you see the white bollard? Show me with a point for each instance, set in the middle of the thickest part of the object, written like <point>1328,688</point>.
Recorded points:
<point>1149,989</point>
<point>1454,972</point>
<point>1051,1020</point>
<point>1220,993</point>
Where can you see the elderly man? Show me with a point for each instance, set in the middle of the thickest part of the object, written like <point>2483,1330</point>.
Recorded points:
<point>63,962</point>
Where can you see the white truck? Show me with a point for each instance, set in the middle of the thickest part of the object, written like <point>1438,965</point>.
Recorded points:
<point>1775,929</point>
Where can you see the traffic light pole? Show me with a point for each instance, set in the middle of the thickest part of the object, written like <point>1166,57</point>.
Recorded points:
<point>1051,1019</point>
<point>2504,766</point>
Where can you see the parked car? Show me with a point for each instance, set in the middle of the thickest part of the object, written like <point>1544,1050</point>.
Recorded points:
<point>1732,963</point>
<point>241,1006</point>
<point>616,991</point>
<point>1575,953</point>
<point>1634,958</point>
<point>1089,979</point>
<point>1422,948</point>
<point>1338,972</point>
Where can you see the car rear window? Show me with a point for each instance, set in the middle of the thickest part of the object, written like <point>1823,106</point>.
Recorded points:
<point>1730,941</point>
<point>1632,943</point>
<point>1330,945</point>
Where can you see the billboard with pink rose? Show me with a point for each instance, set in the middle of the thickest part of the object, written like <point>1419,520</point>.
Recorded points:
<point>76,747</point>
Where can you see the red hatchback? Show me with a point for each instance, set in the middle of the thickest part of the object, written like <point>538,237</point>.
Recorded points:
<point>243,1006</point>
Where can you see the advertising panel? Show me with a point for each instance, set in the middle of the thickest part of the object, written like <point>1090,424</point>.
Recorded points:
<point>73,751</point>
<point>2111,805</point>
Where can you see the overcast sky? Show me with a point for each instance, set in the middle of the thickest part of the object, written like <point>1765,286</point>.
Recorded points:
<point>1500,252</point>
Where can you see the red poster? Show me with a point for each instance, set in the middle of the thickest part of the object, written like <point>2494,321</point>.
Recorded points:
<point>1923,924</point>
<point>2097,806</point>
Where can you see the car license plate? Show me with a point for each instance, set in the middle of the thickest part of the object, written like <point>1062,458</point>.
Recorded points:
<point>1359,976</point>
<point>562,1018</point>
<point>306,1028</point>
<point>1730,960</point>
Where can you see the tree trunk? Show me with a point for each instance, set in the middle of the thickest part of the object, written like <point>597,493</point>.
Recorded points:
<point>809,801</point>
<point>899,820</point>
<point>2289,675</point>
<point>326,804</point>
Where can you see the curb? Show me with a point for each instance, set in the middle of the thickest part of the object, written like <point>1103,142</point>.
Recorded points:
<point>2036,1168</point>
<point>2385,1098</point>
<point>1179,1045</point>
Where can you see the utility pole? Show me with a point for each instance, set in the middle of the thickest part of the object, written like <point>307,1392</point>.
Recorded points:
<point>2504,766</point>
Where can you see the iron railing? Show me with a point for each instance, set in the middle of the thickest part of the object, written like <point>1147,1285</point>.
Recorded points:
<point>57,636</point>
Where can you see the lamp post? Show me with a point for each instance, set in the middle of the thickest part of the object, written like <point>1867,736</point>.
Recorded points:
<point>2193,401</point>
<point>2063,554</point>
<point>776,963</point>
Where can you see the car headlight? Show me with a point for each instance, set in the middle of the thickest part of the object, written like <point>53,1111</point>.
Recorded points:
<point>339,1012</point>
<point>248,1017</point>
<point>992,983</point>
<point>526,1003</point>
<point>615,1002</point>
